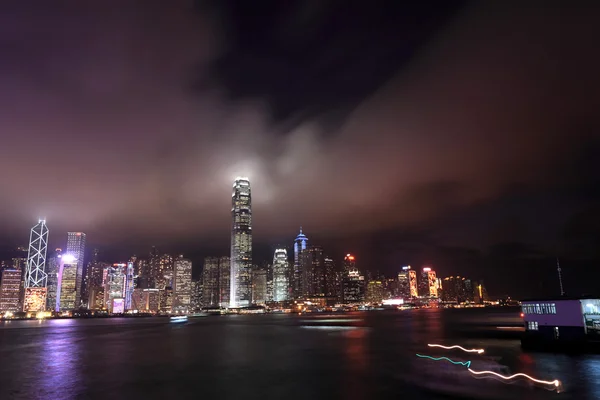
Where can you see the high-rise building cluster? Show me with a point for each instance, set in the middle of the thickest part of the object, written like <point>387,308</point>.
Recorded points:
<point>304,272</point>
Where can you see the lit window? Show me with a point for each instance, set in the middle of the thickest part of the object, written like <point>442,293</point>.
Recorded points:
<point>532,326</point>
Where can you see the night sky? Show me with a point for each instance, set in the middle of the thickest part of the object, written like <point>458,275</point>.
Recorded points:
<point>461,135</point>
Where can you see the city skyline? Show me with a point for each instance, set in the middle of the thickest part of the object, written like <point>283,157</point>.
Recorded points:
<point>465,140</point>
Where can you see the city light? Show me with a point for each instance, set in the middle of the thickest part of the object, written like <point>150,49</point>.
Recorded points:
<point>68,258</point>
<point>479,351</point>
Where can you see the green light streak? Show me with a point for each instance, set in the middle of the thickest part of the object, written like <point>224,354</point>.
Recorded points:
<point>465,363</point>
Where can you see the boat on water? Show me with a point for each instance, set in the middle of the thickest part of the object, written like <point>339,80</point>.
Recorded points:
<point>178,319</point>
<point>563,323</point>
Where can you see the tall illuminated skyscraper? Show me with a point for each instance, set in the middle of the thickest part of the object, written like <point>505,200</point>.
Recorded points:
<point>241,244</point>
<point>300,244</point>
<point>129,286</point>
<point>9,290</point>
<point>35,275</point>
<point>76,248</point>
<point>182,285</point>
<point>280,275</point>
<point>52,269</point>
<point>66,292</point>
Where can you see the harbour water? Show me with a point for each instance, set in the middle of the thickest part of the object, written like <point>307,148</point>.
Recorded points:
<point>362,355</point>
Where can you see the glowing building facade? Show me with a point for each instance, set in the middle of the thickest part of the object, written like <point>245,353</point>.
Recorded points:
<point>114,287</point>
<point>281,274</point>
<point>10,287</point>
<point>300,244</point>
<point>182,285</point>
<point>66,289</point>
<point>313,271</point>
<point>353,281</point>
<point>224,281</point>
<point>241,244</point>
<point>76,248</point>
<point>407,283</point>
<point>129,285</point>
<point>35,275</point>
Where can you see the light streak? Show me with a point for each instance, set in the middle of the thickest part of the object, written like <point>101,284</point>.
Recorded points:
<point>465,363</point>
<point>478,351</point>
<point>555,383</point>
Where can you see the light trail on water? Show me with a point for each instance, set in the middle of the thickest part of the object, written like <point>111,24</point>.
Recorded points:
<point>478,351</point>
<point>465,363</point>
<point>555,383</point>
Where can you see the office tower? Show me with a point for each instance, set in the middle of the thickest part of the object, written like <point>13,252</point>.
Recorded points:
<point>407,283</point>
<point>375,292</point>
<point>87,277</point>
<point>224,281</point>
<point>114,286</point>
<point>52,268</point>
<point>281,274</point>
<point>259,286</point>
<point>330,282</point>
<point>469,290</point>
<point>165,272</point>
<point>353,281</point>
<point>300,244</point>
<point>166,300</point>
<point>241,244</point>
<point>10,287</point>
<point>96,298</point>
<point>196,299</point>
<point>153,267</point>
<point>210,282</point>
<point>35,275</point>
<point>129,285</point>
<point>313,271</point>
<point>182,285</point>
<point>432,283</point>
<point>66,288</point>
<point>76,248</point>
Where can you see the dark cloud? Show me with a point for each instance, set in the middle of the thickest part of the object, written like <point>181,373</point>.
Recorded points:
<point>130,120</point>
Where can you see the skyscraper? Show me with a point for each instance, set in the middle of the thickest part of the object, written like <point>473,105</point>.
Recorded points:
<point>354,282</point>
<point>313,271</point>
<point>53,265</point>
<point>281,275</point>
<point>241,244</point>
<point>407,283</point>
<point>182,285</point>
<point>35,275</point>
<point>66,288</point>
<point>224,280</point>
<point>114,287</point>
<point>210,282</point>
<point>76,248</point>
<point>331,283</point>
<point>129,286</point>
<point>300,244</point>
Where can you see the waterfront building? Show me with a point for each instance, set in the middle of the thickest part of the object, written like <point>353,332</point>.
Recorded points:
<point>241,244</point>
<point>35,275</point>
<point>10,288</point>
<point>313,271</point>
<point>259,286</point>
<point>300,244</point>
<point>129,285</point>
<point>224,281</point>
<point>196,298</point>
<point>330,277</point>
<point>407,283</point>
<point>76,248</point>
<point>375,292</point>
<point>210,281</point>
<point>182,285</point>
<point>166,300</point>
<point>281,274</point>
<point>353,281</point>
<point>87,276</point>
<point>114,286</point>
<point>96,298</point>
<point>52,269</point>
<point>66,288</point>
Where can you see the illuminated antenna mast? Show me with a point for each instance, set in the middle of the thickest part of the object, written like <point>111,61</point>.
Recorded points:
<point>562,292</point>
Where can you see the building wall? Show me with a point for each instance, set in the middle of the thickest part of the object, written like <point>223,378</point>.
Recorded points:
<point>10,288</point>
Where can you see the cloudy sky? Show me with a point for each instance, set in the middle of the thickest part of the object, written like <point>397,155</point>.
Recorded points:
<point>457,124</point>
